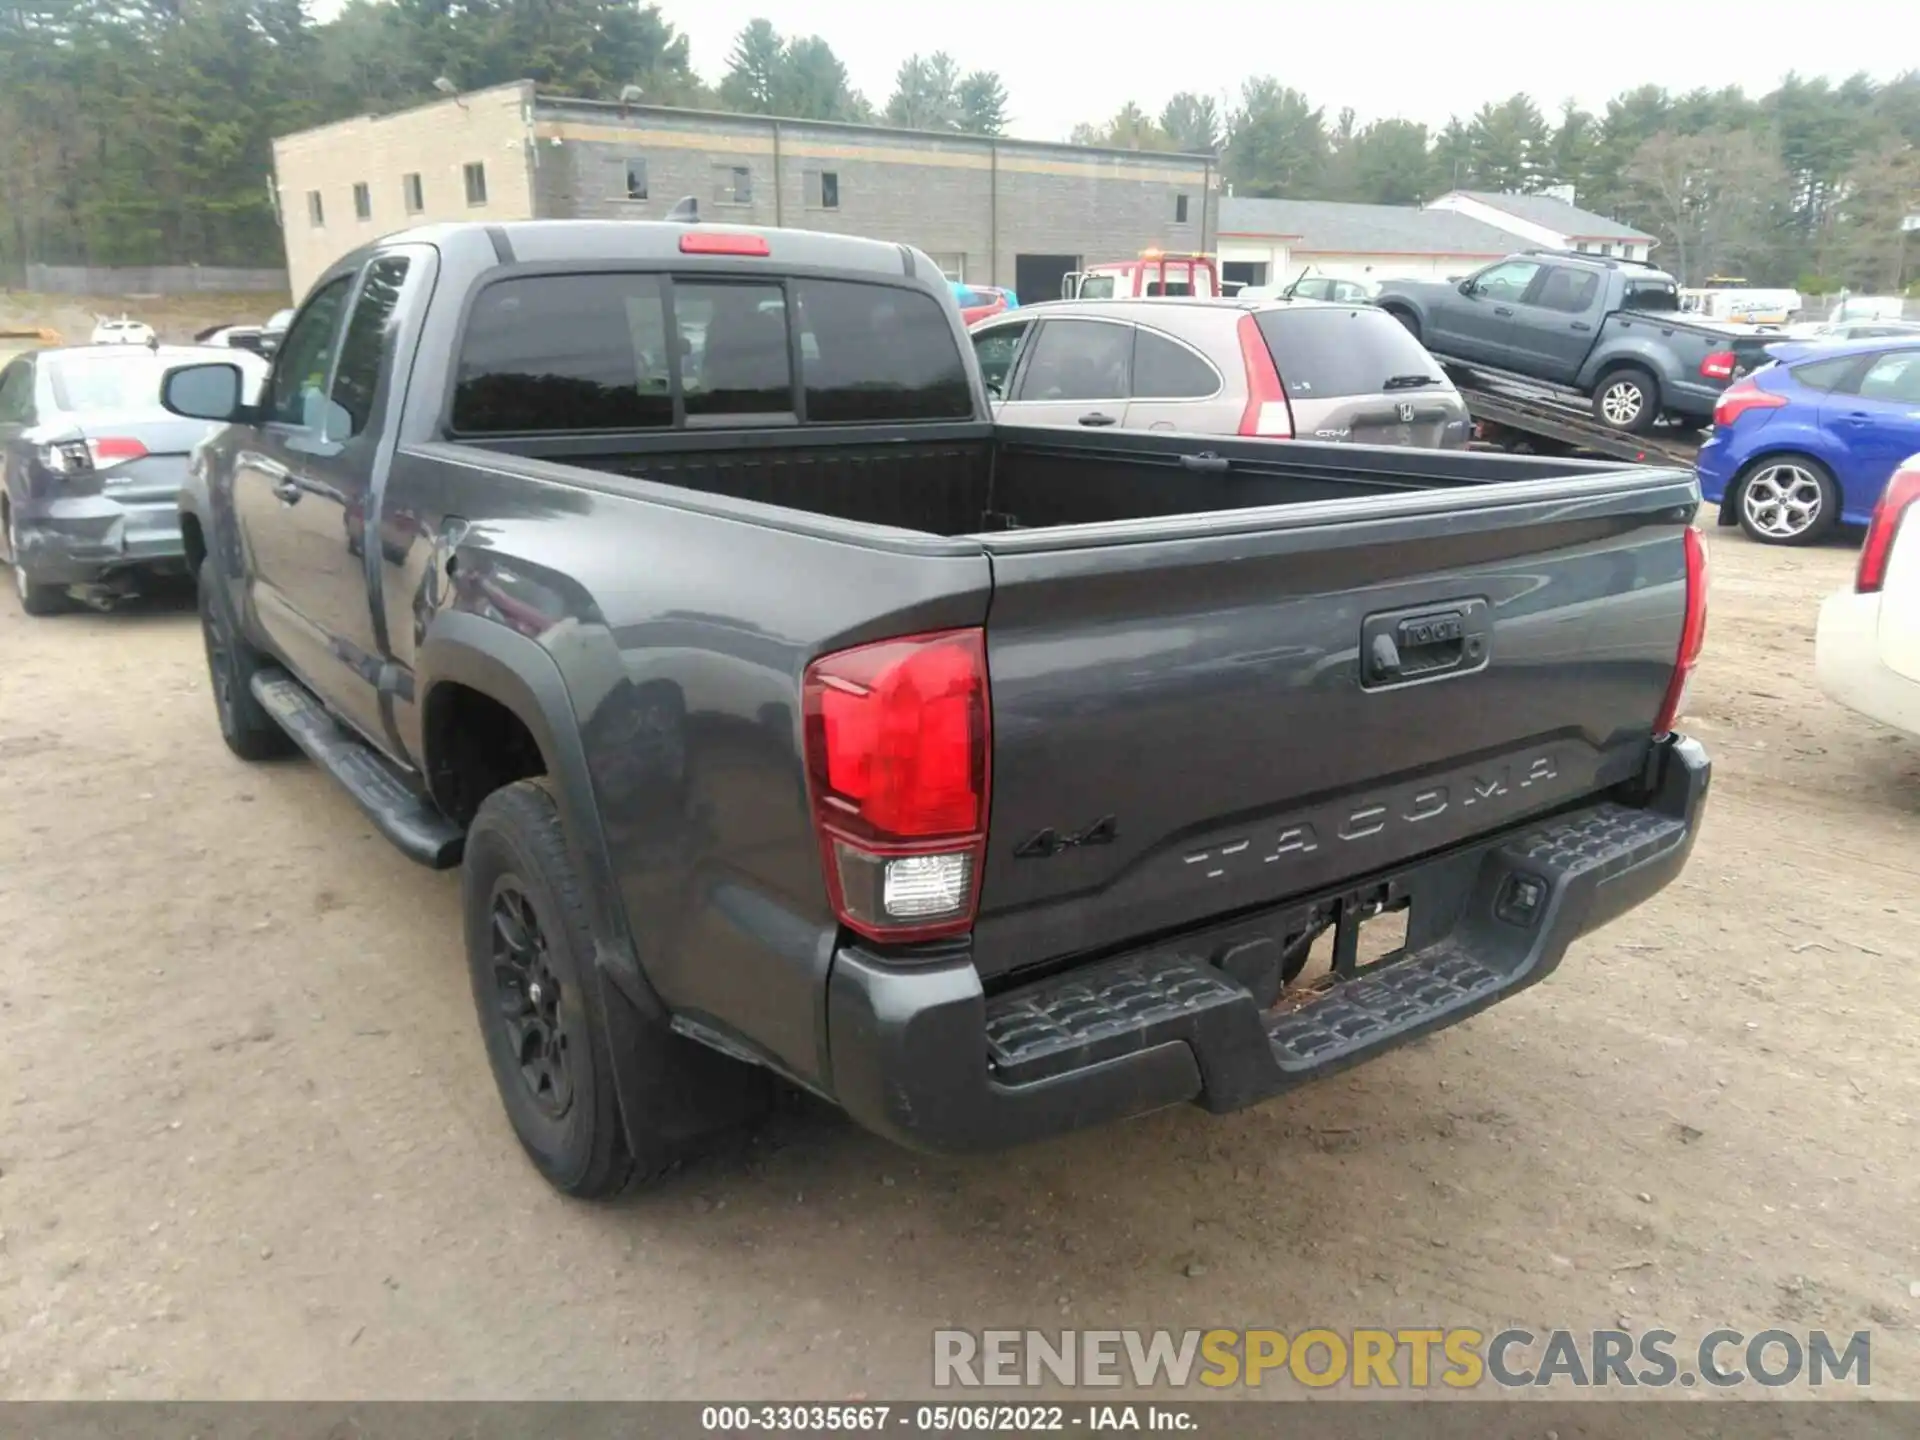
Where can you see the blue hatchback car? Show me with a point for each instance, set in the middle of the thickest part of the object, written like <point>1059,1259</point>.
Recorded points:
<point>1810,440</point>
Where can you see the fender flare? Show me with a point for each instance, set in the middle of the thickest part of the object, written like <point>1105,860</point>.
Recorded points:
<point>519,673</point>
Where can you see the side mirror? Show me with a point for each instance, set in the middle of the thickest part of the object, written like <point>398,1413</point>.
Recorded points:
<point>204,392</point>
<point>1466,287</point>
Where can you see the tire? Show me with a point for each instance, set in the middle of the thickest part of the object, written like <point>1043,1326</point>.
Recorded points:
<point>250,732</point>
<point>1786,500</point>
<point>1627,399</point>
<point>529,953</point>
<point>35,599</point>
<point>1408,319</point>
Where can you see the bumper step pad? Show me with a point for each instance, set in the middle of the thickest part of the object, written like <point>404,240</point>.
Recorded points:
<point>398,811</point>
<point>1096,1013</point>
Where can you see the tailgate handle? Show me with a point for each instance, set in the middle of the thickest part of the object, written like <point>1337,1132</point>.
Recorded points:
<point>1406,645</point>
<point>1207,462</point>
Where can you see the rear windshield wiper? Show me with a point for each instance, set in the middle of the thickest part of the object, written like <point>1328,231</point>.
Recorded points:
<point>1408,382</point>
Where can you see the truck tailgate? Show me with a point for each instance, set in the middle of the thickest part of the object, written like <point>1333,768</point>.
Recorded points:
<point>1195,717</point>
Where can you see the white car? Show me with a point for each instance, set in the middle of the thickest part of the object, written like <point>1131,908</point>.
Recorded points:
<point>1867,649</point>
<point>122,332</point>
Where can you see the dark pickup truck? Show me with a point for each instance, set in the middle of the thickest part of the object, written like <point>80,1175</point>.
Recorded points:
<point>1608,328</point>
<point>787,717</point>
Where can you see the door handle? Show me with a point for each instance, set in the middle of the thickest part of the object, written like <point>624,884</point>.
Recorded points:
<point>1581,325</point>
<point>288,491</point>
<point>1206,462</point>
<point>1096,418</point>
<point>1502,310</point>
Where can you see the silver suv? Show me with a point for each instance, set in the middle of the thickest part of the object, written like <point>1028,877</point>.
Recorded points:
<point>1290,369</point>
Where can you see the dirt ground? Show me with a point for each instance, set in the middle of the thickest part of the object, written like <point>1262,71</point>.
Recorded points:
<point>249,1146</point>
<point>175,318</point>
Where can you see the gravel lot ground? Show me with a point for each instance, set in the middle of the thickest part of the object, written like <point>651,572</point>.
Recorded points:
<point>249,1146</point>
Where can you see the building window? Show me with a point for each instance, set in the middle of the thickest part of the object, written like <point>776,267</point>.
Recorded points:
<point>476,174</point>
<point>362,201</point>
<point>1581,247</point>
<point>732,185</point>
<point>413,194</point>
<point>1179,209</point>
<point>636,179</point>
<point>954,267</point>
<point>316,210</point>
<point>1606,247</point>
<point>823,189</point>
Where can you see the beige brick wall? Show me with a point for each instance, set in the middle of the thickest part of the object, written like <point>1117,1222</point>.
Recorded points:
<point>436,141</point>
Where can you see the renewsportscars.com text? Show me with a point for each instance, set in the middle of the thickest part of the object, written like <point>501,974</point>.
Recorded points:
<point>1402,1358</point>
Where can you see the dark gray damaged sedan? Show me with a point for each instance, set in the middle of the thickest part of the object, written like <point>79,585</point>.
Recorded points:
<point>94,466</point>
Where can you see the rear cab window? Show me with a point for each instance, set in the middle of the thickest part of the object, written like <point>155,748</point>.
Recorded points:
<point>1654,296</point>
<point>549,354</point>
<point>1327,352</point>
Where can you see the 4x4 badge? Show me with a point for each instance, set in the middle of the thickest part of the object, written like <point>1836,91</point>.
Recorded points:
<point>1048,843</point>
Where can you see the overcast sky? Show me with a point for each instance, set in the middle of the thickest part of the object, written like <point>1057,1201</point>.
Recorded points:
<point>1064,63</point>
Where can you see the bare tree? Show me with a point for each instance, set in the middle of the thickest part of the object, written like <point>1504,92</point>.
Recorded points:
<point>1711,197</point>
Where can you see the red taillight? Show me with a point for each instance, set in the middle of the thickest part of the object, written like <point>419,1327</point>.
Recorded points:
<point>898,743</point>
<point>722,242</point>
<point>1267,411</point>
<point>1742,397</point>
<point>1720,365</point>
<point>115,450</point>
<point>1693,632</point>
<point>1898,498</point>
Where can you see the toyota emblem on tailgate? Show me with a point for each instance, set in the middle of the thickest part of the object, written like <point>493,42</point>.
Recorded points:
<point>1406,414</point>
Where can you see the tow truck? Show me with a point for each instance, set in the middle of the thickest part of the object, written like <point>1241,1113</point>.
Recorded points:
<point>1152,273</point>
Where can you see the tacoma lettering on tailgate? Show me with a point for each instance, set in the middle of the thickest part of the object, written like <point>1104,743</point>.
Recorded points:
<point>1345,822</point>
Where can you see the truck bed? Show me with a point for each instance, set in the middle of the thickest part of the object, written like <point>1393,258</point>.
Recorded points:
<point>975,479</point>
<point>1179,631</point>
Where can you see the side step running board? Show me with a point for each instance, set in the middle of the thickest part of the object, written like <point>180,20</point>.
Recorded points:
<point>420,832</point>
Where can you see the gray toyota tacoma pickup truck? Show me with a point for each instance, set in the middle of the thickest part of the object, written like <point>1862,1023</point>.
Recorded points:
<point>786,717</point>
<point>1608,329</point>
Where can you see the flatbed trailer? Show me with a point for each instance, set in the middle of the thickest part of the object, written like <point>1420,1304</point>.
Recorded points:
<point>1510,414</point>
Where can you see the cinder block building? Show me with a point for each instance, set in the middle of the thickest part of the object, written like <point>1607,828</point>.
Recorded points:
<point>992,211</point>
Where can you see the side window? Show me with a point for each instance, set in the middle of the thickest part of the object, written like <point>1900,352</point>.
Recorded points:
<point>300,368</point>
<point>1508,281</point>
<point>1164,370</point>
<point>876,353</point>
<point>369,329</point>
<point>16,394</point>
<point>551,353</point>
<point>1079,360</point>
<point>1828,374</point>
<point>1894,378</point>
<point>734,338</point>
<point>998,351</point>
<point>1567,290</point>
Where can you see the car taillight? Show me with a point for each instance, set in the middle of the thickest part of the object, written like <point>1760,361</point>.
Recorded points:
<point>1739,398</point>
<point>115,450</point>
<point>1720,365</point>
<point>76,457</point>
<point>1898,498</point>
<point>898,740</point>
<point>1267,411</point>
<point>1693,632</point>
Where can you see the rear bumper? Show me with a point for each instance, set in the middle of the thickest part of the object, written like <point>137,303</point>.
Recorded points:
<point>924,1057</point>
<point>1847,663</point>
<point>1714,468</point>
<point>84,538</point>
